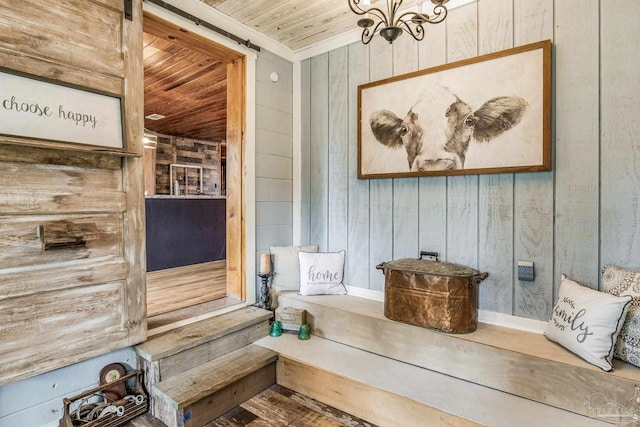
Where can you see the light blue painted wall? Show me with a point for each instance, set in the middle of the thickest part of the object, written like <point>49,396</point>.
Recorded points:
<point>37,401</point>
<point>582,215</point>
<point>274,154</point>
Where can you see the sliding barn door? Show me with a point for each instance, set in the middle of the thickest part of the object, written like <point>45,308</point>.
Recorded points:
<point>72,253</point>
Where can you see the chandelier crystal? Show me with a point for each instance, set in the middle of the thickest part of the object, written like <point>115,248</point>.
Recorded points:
<point>391,24</point>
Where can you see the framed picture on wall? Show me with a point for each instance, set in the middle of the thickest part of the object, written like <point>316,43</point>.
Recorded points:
<point>488,114</point>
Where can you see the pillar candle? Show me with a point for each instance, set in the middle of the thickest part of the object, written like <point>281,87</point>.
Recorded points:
<point>265,264</point>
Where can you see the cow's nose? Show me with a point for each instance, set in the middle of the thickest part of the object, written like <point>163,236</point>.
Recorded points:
<point>435,164</point>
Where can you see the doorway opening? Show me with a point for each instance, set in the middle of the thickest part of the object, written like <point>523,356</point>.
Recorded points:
<point>193,177</point>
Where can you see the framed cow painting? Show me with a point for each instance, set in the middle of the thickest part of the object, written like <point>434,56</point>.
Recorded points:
<point>489,114</point>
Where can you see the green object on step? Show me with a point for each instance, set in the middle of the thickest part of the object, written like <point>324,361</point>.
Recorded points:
<point>304,333</point>
<point>276,329</point>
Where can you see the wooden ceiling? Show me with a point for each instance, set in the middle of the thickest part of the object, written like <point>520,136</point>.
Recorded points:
<point>185,80</point>
<point>187,87</point>
<point>294,23</point>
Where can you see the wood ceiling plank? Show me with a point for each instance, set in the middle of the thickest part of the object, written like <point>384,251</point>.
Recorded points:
<point>182,37</point>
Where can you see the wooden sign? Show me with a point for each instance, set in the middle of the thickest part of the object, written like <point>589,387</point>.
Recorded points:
<point>291,318</point>
<point>33,108</point>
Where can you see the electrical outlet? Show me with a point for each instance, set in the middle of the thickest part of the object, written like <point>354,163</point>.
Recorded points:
<point>525,271</point>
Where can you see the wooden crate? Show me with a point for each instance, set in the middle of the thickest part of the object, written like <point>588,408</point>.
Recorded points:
<point>131,407</point>
<point>291,318</point>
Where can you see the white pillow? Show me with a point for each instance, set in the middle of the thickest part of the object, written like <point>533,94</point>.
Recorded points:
<point>321,273</point>
<point>587,322</point>
<point>286,274</point>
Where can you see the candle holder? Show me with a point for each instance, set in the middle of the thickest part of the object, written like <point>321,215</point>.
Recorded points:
<point>264,301</point>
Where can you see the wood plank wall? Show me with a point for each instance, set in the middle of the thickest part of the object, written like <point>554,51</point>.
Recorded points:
<point>583,214</point>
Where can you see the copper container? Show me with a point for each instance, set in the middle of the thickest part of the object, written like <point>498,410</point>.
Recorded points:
<point>432,294</point>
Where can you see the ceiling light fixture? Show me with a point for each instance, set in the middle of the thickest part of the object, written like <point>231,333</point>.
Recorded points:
<point>392,24</point>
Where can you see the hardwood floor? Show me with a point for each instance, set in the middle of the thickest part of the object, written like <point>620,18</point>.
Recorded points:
<point>276,406</point>
<point>176,288</point>
<point>279,406</point>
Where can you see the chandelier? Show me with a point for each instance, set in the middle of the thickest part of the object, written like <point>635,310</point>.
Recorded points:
<point>391,24</point>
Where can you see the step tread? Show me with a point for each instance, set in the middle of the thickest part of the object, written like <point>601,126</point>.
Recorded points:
<point>521,363</point>
<point>197,383</point>
<point>198,333</point>
<point>449,394</point>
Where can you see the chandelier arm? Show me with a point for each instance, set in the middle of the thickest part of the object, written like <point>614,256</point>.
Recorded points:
<point>378,13</point>
<point>367,34</point>
<point>440,13</point>
<point>354,5</point>
<point>393,10</point>
<point>417,33</point>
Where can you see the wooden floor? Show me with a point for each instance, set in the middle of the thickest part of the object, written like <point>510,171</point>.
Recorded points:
<point>279,406</point>
<point>176,288</point>
<point>275,407</point>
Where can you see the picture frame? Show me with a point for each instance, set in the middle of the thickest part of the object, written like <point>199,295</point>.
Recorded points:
<point>32,107</point>
<point>487,114</point>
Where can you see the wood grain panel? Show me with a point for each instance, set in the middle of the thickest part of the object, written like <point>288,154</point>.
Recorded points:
<point>37,188</point>
<point>101,304</point>
<point>305,152</point>
<point>432,230</point>
<point>358,267</point>
<point>495,215</point>
<point>236,207</point>
<point>577,151</point>
<point>405,190</point>
<point>620,177</point>
<point>21,243</point>
<point>319,151</point>
<point>355,397</point>
<point>10,153</point>
<point>534,200</point>
<point>338,159</point>
<point>19,282</point>
<point>87,35</point>
<point>462,191</point>
<point>89,299</point>
<point>380,190</point>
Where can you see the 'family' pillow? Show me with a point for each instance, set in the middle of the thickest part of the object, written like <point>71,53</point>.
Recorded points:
<point>321,273</point>
<point>587,322</point>
<point>620,281</point>
<point>286,275</point>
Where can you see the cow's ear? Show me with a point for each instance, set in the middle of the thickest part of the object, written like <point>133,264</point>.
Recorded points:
<point>387,128</point>
<point>497,116</point>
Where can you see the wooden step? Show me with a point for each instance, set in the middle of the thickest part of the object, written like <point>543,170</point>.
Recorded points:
<point>199,333</point>
<point>388,392</point>
<point>201,394</point>
<point>522,363</point>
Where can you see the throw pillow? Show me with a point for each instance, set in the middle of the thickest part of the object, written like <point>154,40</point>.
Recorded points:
<point>321,273</point>
<point>620,281</point>
<point>587,322</point>
<point>286,274</point>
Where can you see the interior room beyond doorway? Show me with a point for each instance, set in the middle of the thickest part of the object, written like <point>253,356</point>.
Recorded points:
<point>188,90</point>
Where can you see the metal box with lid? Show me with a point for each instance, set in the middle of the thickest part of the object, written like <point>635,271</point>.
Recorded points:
<point>432,294</point>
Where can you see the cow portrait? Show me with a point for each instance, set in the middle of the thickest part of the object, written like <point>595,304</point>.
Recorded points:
<point>436,135</point>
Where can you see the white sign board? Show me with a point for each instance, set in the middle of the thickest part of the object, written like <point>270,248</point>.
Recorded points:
<point>36,109</point>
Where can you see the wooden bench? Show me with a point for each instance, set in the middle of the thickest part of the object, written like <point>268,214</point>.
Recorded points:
<point>523,364</point>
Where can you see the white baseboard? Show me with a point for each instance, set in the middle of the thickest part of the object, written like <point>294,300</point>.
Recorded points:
<point>484,316</point>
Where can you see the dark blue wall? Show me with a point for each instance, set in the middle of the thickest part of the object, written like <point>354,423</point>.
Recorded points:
<point>184,232</point>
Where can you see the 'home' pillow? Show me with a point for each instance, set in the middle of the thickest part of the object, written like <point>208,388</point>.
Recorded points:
<point>587,322</point>
<point>321,273</point>
<point>286,275</point>
<point>620,282</point>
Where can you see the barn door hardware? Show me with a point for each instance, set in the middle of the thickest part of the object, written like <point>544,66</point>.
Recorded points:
<point>59,240</point>
<point>128,10</point>
<point>163,4</point>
